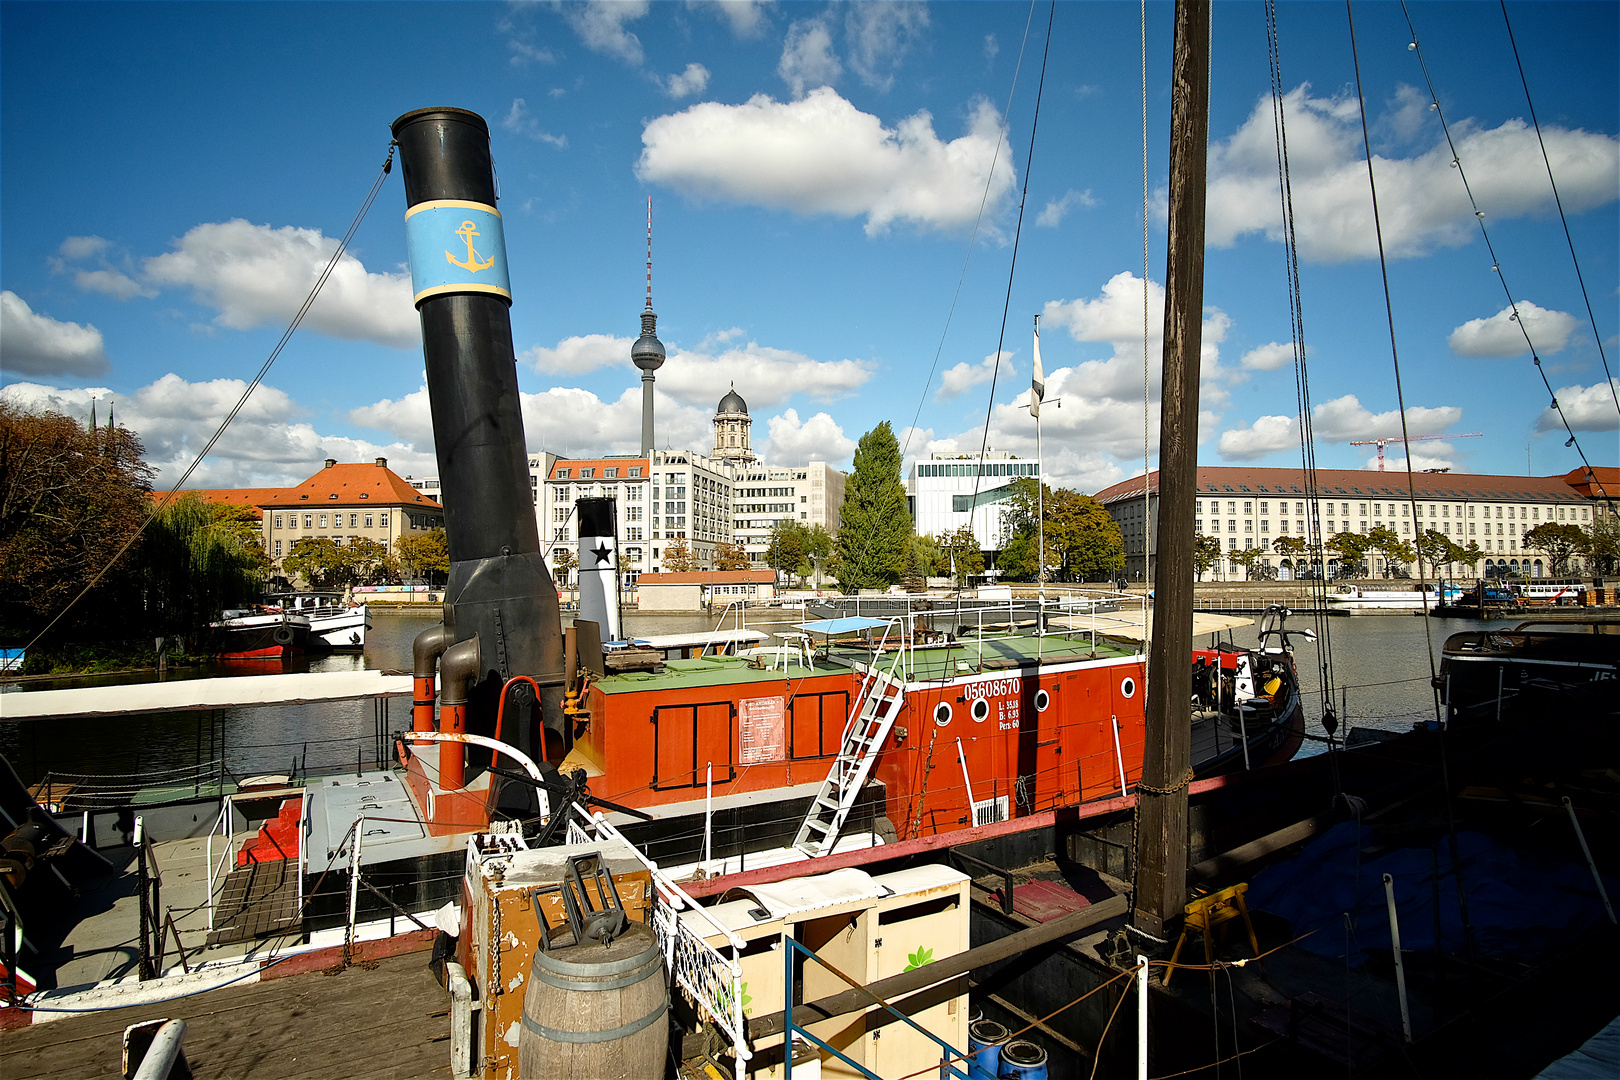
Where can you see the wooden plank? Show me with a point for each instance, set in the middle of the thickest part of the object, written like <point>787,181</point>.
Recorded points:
<point>377,1022</point>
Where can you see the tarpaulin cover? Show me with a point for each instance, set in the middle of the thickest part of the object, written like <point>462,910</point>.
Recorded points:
<point>1519,906</point>
<point>1598,1059</point>
<point>841,626</point>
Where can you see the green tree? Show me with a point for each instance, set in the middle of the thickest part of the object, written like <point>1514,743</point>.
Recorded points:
<point>1206,553</point>
<point>1085,540</point>
<point>961,548</point>
<point>1436,549</point>
<point>818,548</point>
<point>785,546</point>
<point>1351,548</point>
<point>195,560</point>
<point>1394,550</point>
<point>70,499</point>
<point>364,562</point>
<point>316,559</point>
<point>1603,547</point>
<point>1559,541</point>
<point>423,555</point>
<point>876,526</point>
<point>1254,565</point>
<point>1017,557</point>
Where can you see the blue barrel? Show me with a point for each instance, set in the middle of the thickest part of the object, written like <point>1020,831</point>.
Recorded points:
<point>985,1038</point>
<point>1023,1060</point>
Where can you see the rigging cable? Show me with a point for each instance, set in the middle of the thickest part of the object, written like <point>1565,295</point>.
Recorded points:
<point>1383,264</point>
<point>1560,202</point>
<point>1496,263</point>
<point>995,371</point>
<point>241,402</point>
<point>1147,394</point>
<point>1296,311</point>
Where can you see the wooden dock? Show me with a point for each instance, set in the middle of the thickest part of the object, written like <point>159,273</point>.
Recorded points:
<point>388,1021</point>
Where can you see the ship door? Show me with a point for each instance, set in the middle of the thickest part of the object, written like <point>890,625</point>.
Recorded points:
<point>1040,747</point>
<point>687,739</point>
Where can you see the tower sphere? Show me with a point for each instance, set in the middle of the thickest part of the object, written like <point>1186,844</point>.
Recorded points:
<point>648,352</point>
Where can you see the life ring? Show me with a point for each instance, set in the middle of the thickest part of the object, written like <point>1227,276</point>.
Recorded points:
<point>282,635</point>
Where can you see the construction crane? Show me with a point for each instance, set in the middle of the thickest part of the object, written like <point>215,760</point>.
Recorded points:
<point>1413,438</point>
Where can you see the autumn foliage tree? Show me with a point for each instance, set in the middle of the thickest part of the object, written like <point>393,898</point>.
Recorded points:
<point>70,500</point>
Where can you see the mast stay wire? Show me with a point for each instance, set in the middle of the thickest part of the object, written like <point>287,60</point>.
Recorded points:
<point>1415,46</point>
<point>241,402</point>
<point>1302,389</point>
<point>1394,352</point>
<point>1573,258</point>
<point>995,370</point>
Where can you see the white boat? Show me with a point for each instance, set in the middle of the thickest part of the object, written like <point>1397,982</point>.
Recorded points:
<point>1355,600</point>
<point>333,617</point>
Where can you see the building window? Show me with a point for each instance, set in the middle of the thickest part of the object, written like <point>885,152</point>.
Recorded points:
<point>562,474</point>
<point>1248,525</point>
<point>278,549</point>
<point>354,521</point>
<point>635,470</point>
<point>278,521</point>
<point>368,521</point>
<point>1231,526</point>
<point>309,521</point>
<point>384,517</point>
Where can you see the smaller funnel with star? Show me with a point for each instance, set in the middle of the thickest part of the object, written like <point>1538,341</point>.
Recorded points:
<point>599,566</point>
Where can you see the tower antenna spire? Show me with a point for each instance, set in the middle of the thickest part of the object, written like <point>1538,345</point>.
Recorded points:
<point>649,253</point>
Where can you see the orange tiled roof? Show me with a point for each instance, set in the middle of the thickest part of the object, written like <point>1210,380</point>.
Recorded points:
<point>253,498</point>
<point>711,577</point>
<point>1604,481</point>
<point>1253,480</point>
<point>346,485</point>
<point>572,466</point>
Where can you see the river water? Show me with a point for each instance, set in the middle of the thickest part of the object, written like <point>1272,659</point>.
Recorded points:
<point>1380,671</point>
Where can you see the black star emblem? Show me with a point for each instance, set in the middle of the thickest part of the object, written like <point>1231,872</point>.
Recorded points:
<point>602,553</point>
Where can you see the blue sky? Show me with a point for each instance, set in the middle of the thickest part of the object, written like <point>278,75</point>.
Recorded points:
<point>174,175</point>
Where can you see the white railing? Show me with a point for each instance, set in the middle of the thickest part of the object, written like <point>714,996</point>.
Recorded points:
<point>225,827</point>
<point>713,980</point>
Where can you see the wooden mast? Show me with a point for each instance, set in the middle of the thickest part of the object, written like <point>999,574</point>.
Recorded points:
<point>1161,889</point>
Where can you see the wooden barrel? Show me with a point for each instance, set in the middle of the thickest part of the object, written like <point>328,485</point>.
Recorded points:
<point>595,1012</point>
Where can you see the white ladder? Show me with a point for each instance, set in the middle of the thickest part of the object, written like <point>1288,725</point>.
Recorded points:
<point>863,738</point>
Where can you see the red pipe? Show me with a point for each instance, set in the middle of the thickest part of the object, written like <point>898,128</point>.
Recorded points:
<point>500,713</point>
<point>425,650</point>
<point>452,756</point>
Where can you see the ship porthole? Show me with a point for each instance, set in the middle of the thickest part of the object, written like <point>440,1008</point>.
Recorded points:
<point>980,710</point>
<point>1042,700</point>
<point>942,713</point>
<point>1128,687</point>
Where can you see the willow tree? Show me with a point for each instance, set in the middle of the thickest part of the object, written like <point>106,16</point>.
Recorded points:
<point>196,559</point>
<point>875,533</point>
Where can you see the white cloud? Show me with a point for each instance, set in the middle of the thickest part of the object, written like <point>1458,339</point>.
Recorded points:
<point>1420,462</point>
<point>255,274</point>
<point>1587,408</point>
<point>408,419</point>
<point>82,247</point>
<point>269,444</point>
<point>821,155</point>
<point>1102,399</point>
<point>964,376</point>
<point>600,24</point>
<point>1422,204</point>
<point>991,47</point>
<point>691,81</point>
<point>1499,337</point>
<point>519,121</point>
<point>579,354</point>
<point>818,438</point>
<point>35,344</point>
<point>1344,419</point>
<point>109,279</point>
<point>808,60</point>
<point>764,376</point>
<point>1058,209</point>
<point>746,17</point>
<point>1265,436</point>
<point>1273,356</point>
<point>878,36</point>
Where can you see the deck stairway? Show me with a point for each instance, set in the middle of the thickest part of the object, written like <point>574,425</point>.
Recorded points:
<point>863,738</point>
<point>258,899</point>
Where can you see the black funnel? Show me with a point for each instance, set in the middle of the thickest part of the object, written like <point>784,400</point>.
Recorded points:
<point>499,587</point>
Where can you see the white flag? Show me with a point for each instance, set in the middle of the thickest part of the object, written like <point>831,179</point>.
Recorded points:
<point>1037,380</point>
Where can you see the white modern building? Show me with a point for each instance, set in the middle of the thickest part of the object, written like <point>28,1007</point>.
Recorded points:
<point>949,491</point>
<point>811,494</point>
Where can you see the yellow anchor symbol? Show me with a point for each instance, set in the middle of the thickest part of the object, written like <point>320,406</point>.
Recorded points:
<point>467,231</point>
